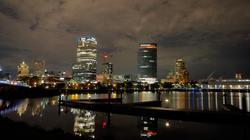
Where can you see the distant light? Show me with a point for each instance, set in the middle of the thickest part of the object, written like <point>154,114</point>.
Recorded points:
<point>61,78</point>
<point>166,100</point>
<point>167,124</point>
<point>89,96</point>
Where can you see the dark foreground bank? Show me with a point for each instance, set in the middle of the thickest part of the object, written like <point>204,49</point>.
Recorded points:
<point>10,130</point>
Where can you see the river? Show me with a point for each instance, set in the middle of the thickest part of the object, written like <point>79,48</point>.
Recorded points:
<point>47,114</point>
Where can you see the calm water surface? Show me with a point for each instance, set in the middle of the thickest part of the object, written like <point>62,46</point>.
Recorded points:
<point>46,113</point>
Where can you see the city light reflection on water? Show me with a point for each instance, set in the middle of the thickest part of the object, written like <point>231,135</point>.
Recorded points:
<point>86,123</point>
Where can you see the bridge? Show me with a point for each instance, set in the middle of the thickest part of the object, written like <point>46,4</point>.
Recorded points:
<point>14,83</point>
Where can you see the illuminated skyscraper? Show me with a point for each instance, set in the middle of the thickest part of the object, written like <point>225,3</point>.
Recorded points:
<point>147,62</point>
<point>181,73</point>
<point>23,70</point>
<point>39,68</point>
<point>84,69</point>
<point>107,72</point>
<point>108,68</point>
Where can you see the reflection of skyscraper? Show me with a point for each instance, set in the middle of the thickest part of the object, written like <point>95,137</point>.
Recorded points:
<point>38,106</point>
<point>39,68</point>
<point>22,107</point>
<point>148,127</point>
<point>23,70</point>
<point>147,62</point>
<point>84,69</point>
<point>84,123</point>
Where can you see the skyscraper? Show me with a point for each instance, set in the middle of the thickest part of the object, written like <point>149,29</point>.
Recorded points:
<point>39,68</point>
<point>181,73</point>
<point>84,70</point>
<point>23,70</point>
<point>108,68</point>
<point>147,62</point>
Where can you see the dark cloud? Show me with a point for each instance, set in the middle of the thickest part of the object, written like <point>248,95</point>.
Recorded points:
<point>7,51</point>
<point>8,10</point>
<point>35,24</point>
<point>210,35</point>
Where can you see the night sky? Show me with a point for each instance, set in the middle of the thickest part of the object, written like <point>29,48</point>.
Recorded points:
<point>210,35</point>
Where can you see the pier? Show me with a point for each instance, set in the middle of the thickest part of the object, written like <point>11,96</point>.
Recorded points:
<point>230,115</point>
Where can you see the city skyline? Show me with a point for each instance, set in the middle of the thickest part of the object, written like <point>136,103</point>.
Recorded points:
<point>212,35</point>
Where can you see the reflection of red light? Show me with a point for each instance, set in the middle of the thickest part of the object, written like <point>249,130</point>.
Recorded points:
<point>151,133</point>
<point>104,124</point>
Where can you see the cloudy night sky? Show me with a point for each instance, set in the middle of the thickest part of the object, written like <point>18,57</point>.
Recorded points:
<point>210,35</point>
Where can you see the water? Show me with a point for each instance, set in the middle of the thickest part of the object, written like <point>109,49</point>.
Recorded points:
<point>46,113</point>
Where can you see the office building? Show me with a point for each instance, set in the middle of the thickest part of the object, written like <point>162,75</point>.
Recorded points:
<point>180,75</point>
<point>181,72</point>
<point>39,68</point>
<point>84,70</point>
<point>147,63</point>
<point>23,70</point>
<point>108,68</point>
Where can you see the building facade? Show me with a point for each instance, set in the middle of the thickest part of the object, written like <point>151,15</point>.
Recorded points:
<point>107,72</point>
<point>22,70</point>
<point>181,72</point>
<point>147,63</point>
<point>107,68</point>
<point>180,75</point>
<point>39,68</point>
<point>84,70</point>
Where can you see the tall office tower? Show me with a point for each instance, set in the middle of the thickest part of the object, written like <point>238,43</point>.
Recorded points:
<point>107,72</point>
<point>108,68</point>
<point>181,73</point>
<point>147,63</point>
<point>84,70</point>
<point>23,70</point>
<point>39,68</point>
